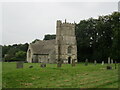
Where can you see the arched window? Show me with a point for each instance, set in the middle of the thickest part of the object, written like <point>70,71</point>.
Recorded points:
<point>69,49</point>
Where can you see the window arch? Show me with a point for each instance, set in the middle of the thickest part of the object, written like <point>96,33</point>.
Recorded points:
<point>69,49</point>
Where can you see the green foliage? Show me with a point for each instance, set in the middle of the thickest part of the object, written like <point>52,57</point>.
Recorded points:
<point>98,39</point>
<point>116,35</point>
<point>14,52</point>
<point>49,37</point>
<point>20,55</point>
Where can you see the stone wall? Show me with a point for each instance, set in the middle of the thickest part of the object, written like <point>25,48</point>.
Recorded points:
<point>29,54</point>
<point>43,58</point>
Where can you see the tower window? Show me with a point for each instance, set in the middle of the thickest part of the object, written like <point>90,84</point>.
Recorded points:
<point>69,49</point>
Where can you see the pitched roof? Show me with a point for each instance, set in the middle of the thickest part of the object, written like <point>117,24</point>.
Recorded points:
<point>43,47</point>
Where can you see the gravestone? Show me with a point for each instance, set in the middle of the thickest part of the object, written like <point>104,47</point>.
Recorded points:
<point>43,65</point>
<point>109,67</point>
<point>111,61</point>
<point>108,60</point>
<point>19,64</point>
<point>59,63</point>
<point>86,62</point>
<point>30,66</point>
<point>95,62</point>
<point>73,63</point>
<point>102,62</point>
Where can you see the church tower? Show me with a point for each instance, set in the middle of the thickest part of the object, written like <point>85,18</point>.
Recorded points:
<point>66,47</point>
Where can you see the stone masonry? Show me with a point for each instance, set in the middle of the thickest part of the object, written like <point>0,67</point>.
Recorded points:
<point>63,48</point>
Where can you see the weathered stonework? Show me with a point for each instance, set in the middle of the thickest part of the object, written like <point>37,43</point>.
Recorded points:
<point>66,47</point>
<point>63,48</point>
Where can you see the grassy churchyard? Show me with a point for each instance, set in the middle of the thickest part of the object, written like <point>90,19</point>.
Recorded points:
<point>80,76</point>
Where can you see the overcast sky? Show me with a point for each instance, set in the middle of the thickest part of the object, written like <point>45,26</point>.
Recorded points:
<point>26,21</point>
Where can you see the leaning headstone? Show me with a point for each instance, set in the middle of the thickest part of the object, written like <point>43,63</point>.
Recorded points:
<point>108,60</point>
<point>86,62</point>
<point>111,61</point>
<point>19,65</point>
<point>95,62</point>
<point>102,62</point>
<point>73,63</point>
<point>43,65</point>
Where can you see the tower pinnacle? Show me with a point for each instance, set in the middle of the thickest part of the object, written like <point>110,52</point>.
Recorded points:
<point>65,20</point>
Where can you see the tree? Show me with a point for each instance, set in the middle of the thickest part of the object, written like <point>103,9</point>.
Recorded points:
<point>20,55</point>
<point>35,40</point>
<point>98,39</point>
<point>115,25</point>
<point>9,52</point>
<point>49,37</point>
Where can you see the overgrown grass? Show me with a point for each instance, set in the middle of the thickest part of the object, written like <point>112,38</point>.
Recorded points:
<point>80,76</point>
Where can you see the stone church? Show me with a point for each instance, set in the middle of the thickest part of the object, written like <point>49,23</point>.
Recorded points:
<point>62,48</point>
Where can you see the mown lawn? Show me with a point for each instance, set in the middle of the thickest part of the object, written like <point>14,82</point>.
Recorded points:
<point>80,76</point>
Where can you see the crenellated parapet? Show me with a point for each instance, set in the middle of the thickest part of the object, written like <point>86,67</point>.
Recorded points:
<point>72,25</point>
<point>65,24</point>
